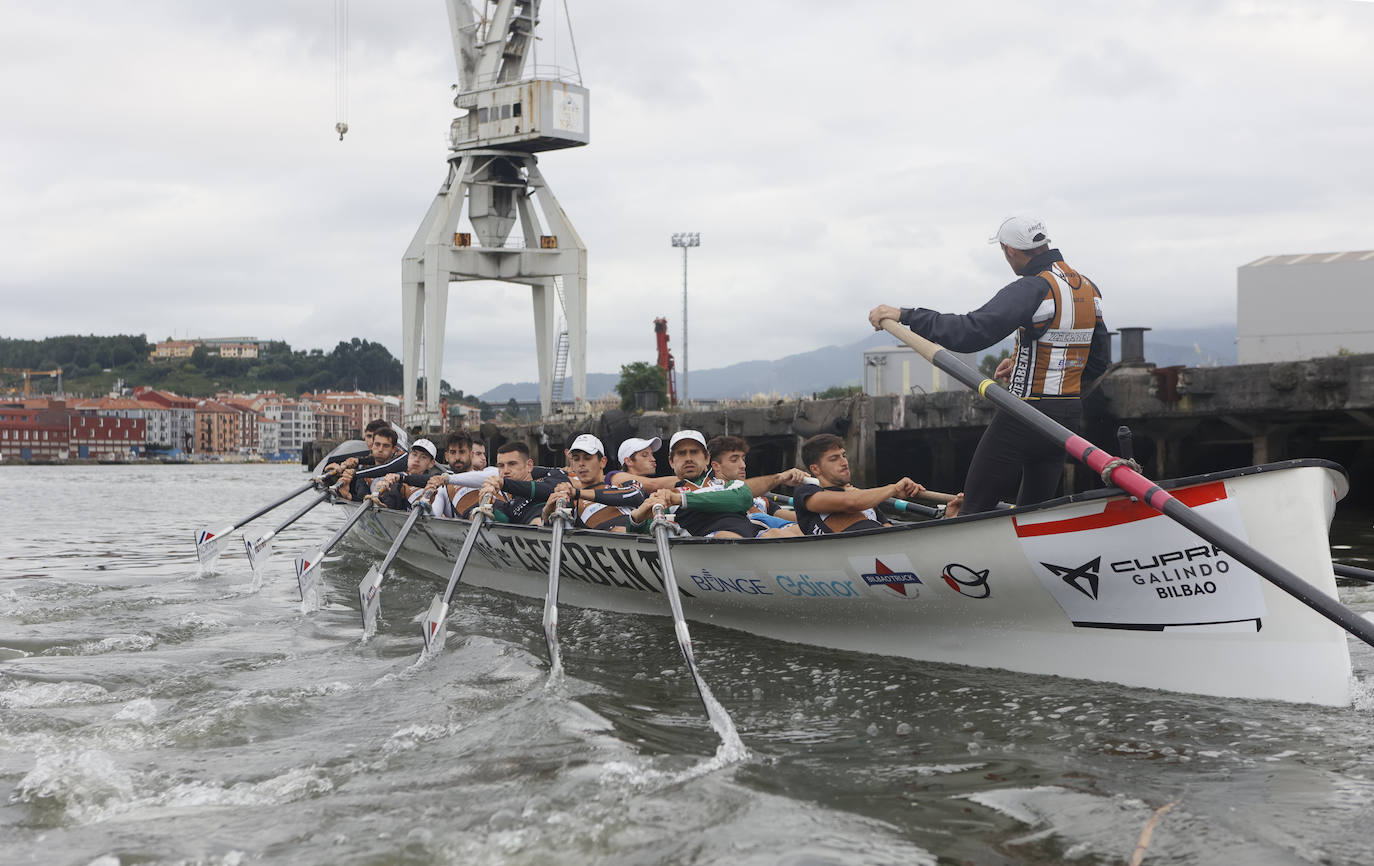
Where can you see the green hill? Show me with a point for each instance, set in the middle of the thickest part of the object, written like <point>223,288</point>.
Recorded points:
<point>92,364</point>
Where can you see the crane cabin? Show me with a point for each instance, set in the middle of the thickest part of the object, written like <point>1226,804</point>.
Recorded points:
<point>532,115</point>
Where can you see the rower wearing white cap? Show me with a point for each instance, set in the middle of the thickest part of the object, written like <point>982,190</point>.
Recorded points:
<point>397,490</point>
<point>1061,344</point>
<point>595,505</point>
<point>705,505</point>
<point>639,465</point>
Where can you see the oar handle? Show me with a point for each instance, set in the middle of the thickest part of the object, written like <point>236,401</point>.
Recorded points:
<point>483,505</point>
<point>898,504</point>
<point>561,510</point>
<point>1353,572</point>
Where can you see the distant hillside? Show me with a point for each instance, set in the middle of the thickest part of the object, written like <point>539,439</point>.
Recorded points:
<point>1193,347</point>
<point>808,372</point>
<point>93,364</point>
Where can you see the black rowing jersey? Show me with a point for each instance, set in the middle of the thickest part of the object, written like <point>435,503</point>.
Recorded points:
<point>827,522</point>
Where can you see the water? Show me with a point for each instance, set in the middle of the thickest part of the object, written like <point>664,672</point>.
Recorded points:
<point>150,715</point>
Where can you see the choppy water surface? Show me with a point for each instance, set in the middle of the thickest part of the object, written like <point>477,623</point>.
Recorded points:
<point>151,715</point>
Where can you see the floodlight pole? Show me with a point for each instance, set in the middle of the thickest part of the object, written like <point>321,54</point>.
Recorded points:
<point>686,240</point>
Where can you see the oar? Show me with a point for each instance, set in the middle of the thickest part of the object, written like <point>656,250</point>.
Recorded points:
<point>369,590</point>
<point>560,518</point>
<point>436,619</point>
<point>1114,471</point>
<point>720,719</point>
<point>895,504</point>
<point>1353,572</point>
<point>260,548</point>
<point>209,542</point>
<point>308,567</point>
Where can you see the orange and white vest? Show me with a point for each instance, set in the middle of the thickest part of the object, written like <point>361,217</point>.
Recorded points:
<point>1051,353</point>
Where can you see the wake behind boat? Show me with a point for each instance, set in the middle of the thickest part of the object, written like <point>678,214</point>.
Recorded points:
<point>1097,586</point>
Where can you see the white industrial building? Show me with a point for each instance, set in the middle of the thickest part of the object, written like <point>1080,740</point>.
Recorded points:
<point>1289,308</point>
<point>899,370</point>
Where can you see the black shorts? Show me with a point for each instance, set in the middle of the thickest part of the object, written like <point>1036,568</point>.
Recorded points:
<point>736,523</point>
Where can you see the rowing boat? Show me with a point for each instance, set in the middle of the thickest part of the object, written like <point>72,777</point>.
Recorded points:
<point>1096,586</point>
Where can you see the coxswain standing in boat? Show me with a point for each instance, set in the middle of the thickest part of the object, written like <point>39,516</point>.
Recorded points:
<point>594,504</point>
<point>729,462</point>
<point>705,506</point>
<point>828,503</point>
<point>1061,344</point>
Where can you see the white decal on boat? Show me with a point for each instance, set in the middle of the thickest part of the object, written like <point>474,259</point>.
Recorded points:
<point>1130,567</point>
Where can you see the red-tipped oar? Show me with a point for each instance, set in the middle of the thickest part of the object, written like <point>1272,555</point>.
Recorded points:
<point>559,520</point>
<point>210,541</point>
<point>436,618</point>
<point>260,548</point>
<point>370,589</point>
<point>1115,471</point>
<point>720,720</point>
<point>308,566</point>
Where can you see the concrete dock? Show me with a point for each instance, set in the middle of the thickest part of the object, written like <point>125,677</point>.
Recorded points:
<point>1184,421</point>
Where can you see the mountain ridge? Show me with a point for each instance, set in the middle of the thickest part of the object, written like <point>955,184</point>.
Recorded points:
<point>818,369</point>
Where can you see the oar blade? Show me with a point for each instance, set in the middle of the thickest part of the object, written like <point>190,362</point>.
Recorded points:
<point>370,600</point>
<point>436,626</point>
<point>258,550</point>
<point>308,579</point>
<point>209,544</point>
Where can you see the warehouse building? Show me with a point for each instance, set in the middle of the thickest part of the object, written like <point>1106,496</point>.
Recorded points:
<point>1290,308</point>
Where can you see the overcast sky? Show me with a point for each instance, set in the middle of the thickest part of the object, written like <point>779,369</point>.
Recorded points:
<point>170,168</point>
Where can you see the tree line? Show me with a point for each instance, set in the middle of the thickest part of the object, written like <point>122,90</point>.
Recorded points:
<point>90,365</point>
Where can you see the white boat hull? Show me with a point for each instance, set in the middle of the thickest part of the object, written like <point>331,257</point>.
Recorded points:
<point>1095,587</point>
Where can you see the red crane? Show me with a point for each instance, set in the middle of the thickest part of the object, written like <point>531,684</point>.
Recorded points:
<point>665,358</point>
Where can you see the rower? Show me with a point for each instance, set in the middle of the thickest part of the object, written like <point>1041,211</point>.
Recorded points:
<point>595,504</point>
<point>396,490</point>
<point>386,458</point>
<point>638,464</point>
<point>728,463</point>
<point>704,505</point>
<point>828,503</point>
<point>514,491</point>
<point>479,456</point>
<point>458,452</point>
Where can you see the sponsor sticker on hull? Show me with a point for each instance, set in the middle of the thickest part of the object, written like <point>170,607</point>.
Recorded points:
<point>970,582</point>
<point>890,575</point>
<point>1130,567</point>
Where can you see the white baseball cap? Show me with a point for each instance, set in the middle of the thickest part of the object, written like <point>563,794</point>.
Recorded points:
<point>426,446</point>
<point>1021,233</point>
<point>686,434</point>
<point>588,444</point>
<point>630,446</point>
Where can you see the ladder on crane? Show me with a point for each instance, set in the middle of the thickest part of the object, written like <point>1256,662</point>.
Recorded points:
<point>560,360</point>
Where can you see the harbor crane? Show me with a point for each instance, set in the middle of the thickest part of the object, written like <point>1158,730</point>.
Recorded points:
<point>511,108</point>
